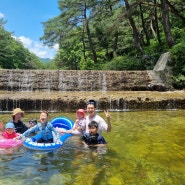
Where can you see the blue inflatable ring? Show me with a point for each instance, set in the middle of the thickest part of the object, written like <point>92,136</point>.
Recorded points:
<point>60,122</point>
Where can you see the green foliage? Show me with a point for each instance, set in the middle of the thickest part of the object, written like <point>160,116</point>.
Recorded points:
<point>177,64</point>
<point>97,35</point>
<point>153,52</point>
<point>70,55</point>
<point>179,34</point>
<point>13,55</point>
<point>87,64</point>
<point>125,63</point>
<point>155,47</point>
<point>178,58</point>
<point>179,81</point>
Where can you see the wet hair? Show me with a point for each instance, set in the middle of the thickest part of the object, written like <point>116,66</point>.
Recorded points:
<point>34,121</point>
<point>46,112</point>
<point>93,124</point>
<point>93,102</point>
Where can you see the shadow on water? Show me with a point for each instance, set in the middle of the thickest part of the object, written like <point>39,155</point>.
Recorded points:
<point>144,148</point>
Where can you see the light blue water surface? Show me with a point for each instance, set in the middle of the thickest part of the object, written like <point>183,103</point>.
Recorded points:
<point>144,148</point>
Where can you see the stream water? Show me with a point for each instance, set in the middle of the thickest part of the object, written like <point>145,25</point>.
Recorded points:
<point>144,148</point>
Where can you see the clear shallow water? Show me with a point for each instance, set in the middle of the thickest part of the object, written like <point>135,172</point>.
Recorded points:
<point>144,148</point>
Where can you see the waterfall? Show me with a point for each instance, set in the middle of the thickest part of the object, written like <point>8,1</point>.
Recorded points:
<point>80,81</point>
<point>10,81</point>
<point>71,80</point>
<point>48,82</point>
<point>25,83</point>
<point>61,85</point>
<point>104,82</point>
<point>68,90</point>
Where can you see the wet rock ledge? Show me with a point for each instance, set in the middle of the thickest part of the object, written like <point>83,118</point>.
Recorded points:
<point>111,100</point>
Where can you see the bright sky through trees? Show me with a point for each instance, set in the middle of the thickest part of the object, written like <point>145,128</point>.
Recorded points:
<point>24,19</point>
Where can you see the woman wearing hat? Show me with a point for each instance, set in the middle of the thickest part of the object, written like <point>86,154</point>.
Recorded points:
<point>20,127</point>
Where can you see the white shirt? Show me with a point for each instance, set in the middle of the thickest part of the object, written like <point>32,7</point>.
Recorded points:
<point>102,125</point>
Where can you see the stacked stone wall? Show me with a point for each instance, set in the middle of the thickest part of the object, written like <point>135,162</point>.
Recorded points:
<point>59,80</point>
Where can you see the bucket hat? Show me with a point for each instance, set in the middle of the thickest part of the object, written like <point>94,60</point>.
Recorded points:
<point>9,125</point>
<point>16,111</point>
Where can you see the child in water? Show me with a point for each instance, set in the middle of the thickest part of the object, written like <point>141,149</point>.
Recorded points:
<point>45,128</point>
<point>79,125</point>
<point>93,137</point>
<point>9,132</point>
<point>32,123</point>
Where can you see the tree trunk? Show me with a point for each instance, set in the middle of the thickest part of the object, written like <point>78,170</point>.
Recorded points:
<point>83,41</point>
<point>115,44</point>
<point>176,12</point>
<point>166,23</point>
<point>134,29</point>
<point>143,25</point>
<point>91,45</point>
<point>156,23</point>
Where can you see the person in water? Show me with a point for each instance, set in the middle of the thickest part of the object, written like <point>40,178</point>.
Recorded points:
<point>92,116</point>
<point>93,137</point>
<point>9,132</point>
<point>32,122</point>
<point>79,125</point>
<point>44,128</point>
<point>20,127</point>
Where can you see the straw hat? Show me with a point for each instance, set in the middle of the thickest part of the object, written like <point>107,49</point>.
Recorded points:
<point>16,111</point>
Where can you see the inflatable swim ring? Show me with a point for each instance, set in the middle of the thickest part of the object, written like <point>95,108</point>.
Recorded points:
<point>9,143</point>
<point>60,122</point>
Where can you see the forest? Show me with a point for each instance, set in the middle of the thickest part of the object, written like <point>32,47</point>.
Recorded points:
<point>107,35</point>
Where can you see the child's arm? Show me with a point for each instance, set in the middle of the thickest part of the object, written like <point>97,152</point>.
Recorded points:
<point>85,144</point>
<point>62,130</point>
<point>98,145</point>
<point>83,140</point>
<point>27,132</point>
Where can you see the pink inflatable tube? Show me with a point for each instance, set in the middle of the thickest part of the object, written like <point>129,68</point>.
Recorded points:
<point>9,143</point>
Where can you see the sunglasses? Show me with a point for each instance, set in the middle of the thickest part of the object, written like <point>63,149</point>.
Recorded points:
<point>88,103</point>
<point>91,103</point>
